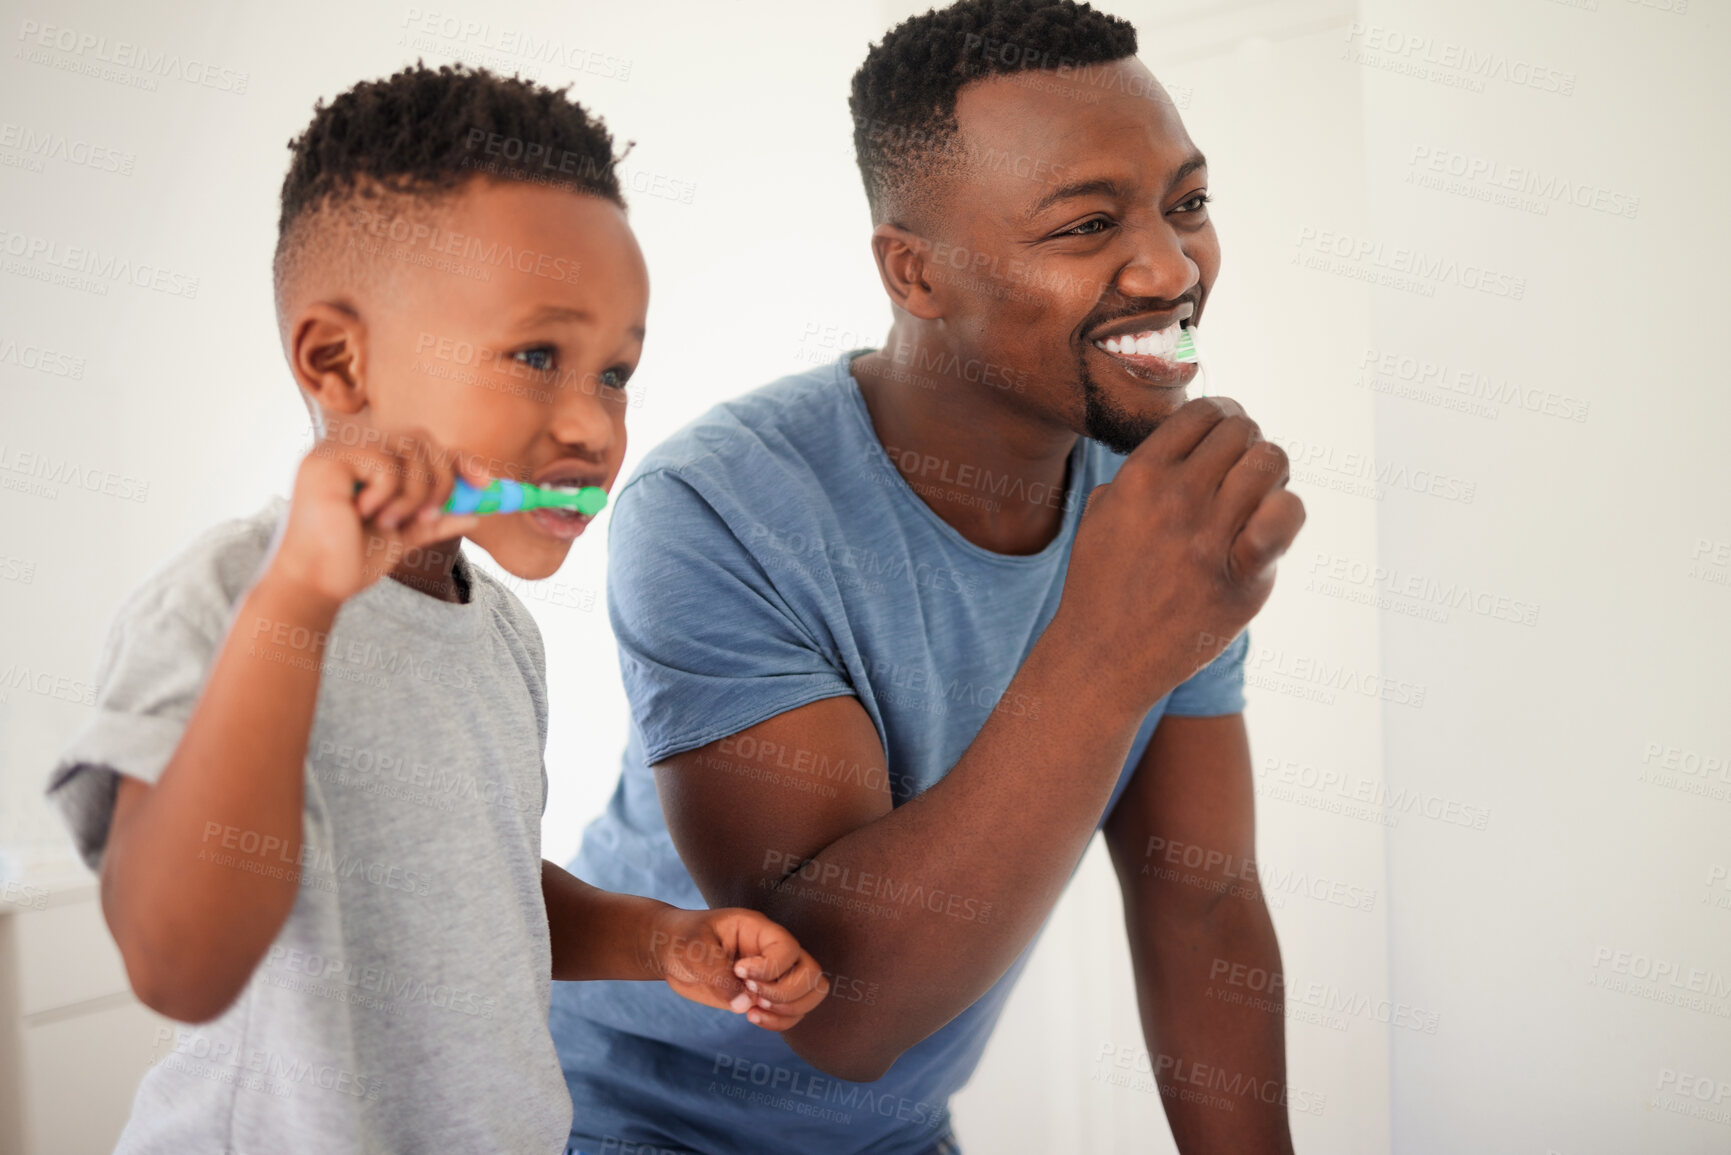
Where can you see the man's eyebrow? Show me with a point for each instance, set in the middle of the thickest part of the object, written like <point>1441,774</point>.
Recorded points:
<point>1105,186</point>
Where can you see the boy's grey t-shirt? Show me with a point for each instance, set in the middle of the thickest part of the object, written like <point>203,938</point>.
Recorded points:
<point>403,1006</point>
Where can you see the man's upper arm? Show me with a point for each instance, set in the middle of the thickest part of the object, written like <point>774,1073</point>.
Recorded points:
<point>1185,827</point>
<point>761,752</point>
<point>746,810</point>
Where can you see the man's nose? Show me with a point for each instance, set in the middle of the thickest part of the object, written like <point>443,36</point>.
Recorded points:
<point>1159,267</point>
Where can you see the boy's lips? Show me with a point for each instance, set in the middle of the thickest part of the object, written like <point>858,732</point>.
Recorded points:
<point>570,475</point>
<point>563,524</point>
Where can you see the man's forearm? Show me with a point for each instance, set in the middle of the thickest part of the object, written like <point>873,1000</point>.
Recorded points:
<point>1216,1035</point>
<point>964,874</point>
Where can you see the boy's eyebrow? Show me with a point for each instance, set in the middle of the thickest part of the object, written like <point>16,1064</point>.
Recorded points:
<point>547,314</point>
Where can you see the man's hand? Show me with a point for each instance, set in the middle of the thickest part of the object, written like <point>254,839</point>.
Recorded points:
<point>1180,547</point>
<point>739,960</point>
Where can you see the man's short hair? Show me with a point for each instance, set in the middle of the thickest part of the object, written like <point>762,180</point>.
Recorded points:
<point>904,96</point>
<point>410,140</point>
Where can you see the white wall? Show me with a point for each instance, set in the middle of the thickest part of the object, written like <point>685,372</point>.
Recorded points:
<point>1518,934</point>
<point>1492,936</point>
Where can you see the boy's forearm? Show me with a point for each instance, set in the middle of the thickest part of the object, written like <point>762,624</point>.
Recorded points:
<point>597,934</point>
<point>191,920</point>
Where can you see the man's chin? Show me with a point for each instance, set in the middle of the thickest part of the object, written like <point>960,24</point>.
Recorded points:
<point>1120,427</point>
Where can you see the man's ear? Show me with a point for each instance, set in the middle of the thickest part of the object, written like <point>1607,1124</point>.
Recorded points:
<point>328,354</point>
<point>902,257</point>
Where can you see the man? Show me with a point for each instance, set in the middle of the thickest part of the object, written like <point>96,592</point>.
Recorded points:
<point>888,675</point>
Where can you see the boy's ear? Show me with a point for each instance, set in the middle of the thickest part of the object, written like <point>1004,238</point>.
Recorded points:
<point>902,260</point>
<point>328,354</point>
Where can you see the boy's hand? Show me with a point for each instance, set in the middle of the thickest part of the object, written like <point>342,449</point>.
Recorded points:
<point>738,959</point>
<point>357,509</point>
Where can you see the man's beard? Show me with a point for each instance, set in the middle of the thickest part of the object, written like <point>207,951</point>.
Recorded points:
<point>1108,424</point>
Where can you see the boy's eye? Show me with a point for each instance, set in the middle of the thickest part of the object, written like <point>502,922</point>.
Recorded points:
<point>541,358</point>
<point>614,378</point>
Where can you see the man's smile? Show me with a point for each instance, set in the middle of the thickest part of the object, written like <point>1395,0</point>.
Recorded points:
<point>1144,347</point>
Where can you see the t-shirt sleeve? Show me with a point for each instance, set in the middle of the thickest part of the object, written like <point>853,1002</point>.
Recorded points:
<point>148,679</point>
<point>708,645</point>
<point>1217,688</point>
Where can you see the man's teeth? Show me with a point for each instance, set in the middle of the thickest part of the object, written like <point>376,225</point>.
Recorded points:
<point>1152,343</point>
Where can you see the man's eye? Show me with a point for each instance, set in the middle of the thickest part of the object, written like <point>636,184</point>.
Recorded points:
<point>541,358</point>
<point>1085,229</point>
<point>1198,203</point>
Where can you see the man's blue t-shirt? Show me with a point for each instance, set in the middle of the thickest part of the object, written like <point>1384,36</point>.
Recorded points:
<point>769,555</point>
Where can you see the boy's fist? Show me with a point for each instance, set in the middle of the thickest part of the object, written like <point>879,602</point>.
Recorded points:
<point>357,509</point>
<point>740,960</point>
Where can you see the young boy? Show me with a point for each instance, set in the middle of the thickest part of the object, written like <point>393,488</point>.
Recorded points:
<point>313,795</point>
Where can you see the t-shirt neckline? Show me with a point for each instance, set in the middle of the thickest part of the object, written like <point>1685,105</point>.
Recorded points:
<point>404,604</point>
<point>1055,548</point>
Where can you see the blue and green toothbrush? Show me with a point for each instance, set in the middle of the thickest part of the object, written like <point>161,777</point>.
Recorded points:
<point>502,495</point>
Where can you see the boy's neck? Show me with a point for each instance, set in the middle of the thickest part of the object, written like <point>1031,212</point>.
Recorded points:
<point>433,571</point>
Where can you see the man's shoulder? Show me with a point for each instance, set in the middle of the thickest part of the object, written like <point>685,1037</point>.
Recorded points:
<point>778,442</point>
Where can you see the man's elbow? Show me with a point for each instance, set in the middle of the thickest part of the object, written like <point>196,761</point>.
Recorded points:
<point>851,1058</point>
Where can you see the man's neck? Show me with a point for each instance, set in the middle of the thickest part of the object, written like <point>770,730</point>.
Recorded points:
<point>994,474</point>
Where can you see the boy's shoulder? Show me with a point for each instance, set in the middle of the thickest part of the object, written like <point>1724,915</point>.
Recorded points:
<point>204,580</point>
